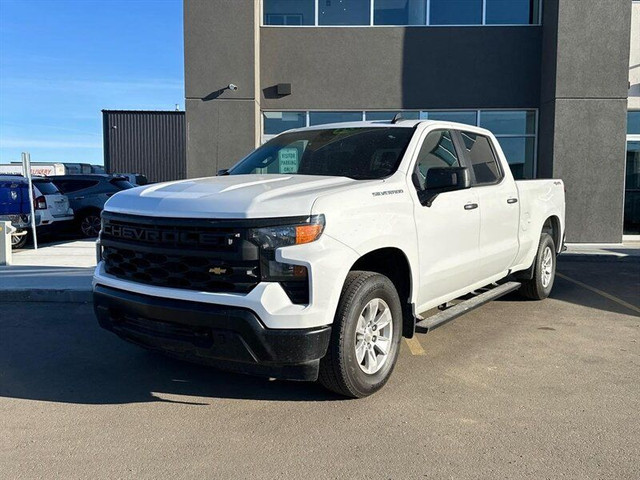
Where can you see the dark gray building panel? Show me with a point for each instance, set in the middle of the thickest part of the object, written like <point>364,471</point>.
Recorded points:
<point>151,143</point>
<point>401,67</point>
<point>219,48</point>
<point>589,157</point>
<point>224,133</point>
<point>583,112</point>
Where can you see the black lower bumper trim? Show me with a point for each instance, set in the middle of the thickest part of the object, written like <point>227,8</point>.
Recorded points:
<point>232,338</point>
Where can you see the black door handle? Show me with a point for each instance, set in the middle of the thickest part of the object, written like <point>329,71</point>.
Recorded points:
<point>512,200</point>
<point>471,206</point>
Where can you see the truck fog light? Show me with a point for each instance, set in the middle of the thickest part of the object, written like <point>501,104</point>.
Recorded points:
<point>278,270</point>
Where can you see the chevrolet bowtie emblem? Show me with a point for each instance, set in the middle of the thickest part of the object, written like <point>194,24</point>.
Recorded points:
<point>217,270</point>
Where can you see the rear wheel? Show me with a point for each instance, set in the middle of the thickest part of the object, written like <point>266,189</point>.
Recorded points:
<point>365,336</point>
<point>89,224</point>
<point>544,271</point>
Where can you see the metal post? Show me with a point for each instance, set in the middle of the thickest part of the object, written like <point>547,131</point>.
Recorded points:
<point>26,165</point>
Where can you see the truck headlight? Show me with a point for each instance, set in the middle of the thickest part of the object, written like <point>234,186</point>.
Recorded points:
<point>271,238</point>
<point>293,278</point>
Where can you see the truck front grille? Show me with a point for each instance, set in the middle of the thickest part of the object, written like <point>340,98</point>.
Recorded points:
<point>202,255</point>
<point>181,271</point>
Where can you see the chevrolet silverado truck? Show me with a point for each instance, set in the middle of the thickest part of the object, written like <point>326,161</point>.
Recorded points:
<point>314,255</point>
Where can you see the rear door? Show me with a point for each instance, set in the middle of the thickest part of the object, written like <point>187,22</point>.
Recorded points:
<point>498,204</point>
<point>57,203</point>
<point>449,229</point>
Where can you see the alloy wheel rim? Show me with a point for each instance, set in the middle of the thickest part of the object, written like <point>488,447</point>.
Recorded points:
<point>547,267</point>
<point>91,226</point>
<point>374,332</point>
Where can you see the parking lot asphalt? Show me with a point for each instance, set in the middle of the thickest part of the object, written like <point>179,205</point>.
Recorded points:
<point>515,389</point>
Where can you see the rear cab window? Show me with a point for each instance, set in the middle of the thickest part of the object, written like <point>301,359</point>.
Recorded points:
<point>481,158</point>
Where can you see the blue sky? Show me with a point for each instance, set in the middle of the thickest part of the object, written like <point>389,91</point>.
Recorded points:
<point>63,61</point>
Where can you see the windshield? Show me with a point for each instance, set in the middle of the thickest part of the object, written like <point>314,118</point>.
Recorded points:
<point>361,153</point>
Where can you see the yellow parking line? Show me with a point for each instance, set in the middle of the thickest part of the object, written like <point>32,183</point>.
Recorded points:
<point>414,346</point>
<point>600,292</point>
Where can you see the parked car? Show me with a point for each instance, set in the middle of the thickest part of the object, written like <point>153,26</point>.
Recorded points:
<point>87,195</point>
<point>52,205</point>
<point>314,255</point>
<point>136,179</point>
<point>15,207</point>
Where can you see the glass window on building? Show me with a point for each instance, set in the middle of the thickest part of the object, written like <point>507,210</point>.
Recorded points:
<point>509,122</point>
<point>388,115</point>
<point>278,122</point>
<point>468,118</point>
<point>512,12</point>
<point>289,12</point>
<point>633,123</point>
<point>400,12</point>
<point>632,190</point>
<point>455,12</point>
<point>344,12</point>
<point>516,132</point>
<point>322,118</point>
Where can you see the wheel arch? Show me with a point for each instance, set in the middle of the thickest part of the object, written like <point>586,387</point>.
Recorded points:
<point>552,226</point>
<point>393,263</point>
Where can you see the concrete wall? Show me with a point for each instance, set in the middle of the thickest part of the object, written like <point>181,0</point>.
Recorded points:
<point>401,67</point>
<point>583,111</point>
<point>220,48</point>
<point>634,59</point>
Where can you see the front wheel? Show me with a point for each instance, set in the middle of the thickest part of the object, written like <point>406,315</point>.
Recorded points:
<point>365,336</point>
<point>89,224</point>
<point>544,271</point>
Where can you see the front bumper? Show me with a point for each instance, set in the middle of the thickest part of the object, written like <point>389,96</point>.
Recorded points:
<point>228,337</point>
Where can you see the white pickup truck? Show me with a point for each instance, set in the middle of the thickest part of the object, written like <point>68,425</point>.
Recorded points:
<point>314,255</point>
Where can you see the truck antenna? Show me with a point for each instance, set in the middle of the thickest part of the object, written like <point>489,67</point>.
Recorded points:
<point>397,117</point>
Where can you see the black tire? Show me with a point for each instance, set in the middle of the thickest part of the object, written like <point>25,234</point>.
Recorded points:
<point>19,241</point>
<point>535,289</point>
<point>340,370</point>
<point>89,224</point>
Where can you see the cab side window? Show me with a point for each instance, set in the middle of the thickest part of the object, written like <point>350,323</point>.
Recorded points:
<point>481,157</point>
<point>437,150</point>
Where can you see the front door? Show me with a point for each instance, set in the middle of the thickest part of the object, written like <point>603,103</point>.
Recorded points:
<point>449,229</point>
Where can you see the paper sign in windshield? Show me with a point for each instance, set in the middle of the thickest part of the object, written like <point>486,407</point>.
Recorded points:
<point>288,160</point>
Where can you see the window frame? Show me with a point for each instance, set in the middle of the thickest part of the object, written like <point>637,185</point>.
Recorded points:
<point>469,164</point>
<point>416,160</point>
<point>372,5</point>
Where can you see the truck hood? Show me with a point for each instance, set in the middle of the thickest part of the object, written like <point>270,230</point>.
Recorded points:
<point>230,196</point>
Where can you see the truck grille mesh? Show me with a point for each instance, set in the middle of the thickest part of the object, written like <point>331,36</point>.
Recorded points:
<point>179,253</point>
<point>180,271</point>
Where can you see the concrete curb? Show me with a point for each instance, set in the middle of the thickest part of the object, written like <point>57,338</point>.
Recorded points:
<point>46,295</point>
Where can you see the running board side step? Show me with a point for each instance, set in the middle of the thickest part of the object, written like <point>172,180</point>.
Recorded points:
<point>465,306</point>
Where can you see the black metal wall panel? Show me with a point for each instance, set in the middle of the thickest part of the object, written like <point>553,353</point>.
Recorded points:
<point>147,142</point>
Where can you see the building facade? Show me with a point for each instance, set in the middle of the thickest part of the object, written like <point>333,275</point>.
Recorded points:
<point>549,77</point>
<point>148,142</point>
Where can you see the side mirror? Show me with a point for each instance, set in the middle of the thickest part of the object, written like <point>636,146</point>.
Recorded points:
<point>224,171</point>
<point>444,179</point>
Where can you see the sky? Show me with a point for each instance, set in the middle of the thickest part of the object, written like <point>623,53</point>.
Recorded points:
<point>63,61</point>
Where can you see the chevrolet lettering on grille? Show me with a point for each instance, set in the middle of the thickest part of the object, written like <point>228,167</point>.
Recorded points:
<point>161,236</point>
